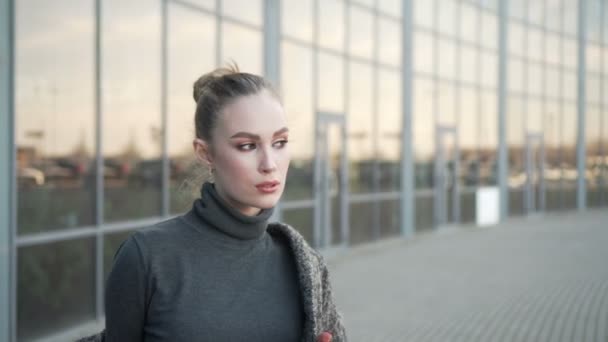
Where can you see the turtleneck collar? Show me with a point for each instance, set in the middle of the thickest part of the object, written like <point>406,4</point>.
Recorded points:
<point>215,211</point>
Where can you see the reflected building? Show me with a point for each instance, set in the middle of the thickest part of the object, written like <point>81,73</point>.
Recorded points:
<point>399,110</point>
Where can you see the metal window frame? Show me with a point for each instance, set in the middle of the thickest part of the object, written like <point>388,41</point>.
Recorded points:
<point>7,173</point>
<point>581,151</point>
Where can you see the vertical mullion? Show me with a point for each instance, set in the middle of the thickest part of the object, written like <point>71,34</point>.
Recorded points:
<point>503,160</point>
<point>375,94</point>
<point>99,190</point>
<point>164,109</point>
<point>7,175</point>
<point>407,157</point>
<point>315,101</point>
<point>581,108</point>
<point>219,33</point>
<point>345,203</point>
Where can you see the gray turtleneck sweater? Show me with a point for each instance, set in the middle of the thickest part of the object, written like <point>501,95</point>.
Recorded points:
<point>212,274</point>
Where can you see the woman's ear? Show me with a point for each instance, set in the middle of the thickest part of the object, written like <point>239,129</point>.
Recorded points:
<point>203,152</point>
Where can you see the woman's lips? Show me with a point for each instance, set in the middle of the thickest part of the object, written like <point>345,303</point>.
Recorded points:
<point>268,187</point>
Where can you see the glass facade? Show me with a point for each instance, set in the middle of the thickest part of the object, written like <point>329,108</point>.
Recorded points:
<point>103,117</point>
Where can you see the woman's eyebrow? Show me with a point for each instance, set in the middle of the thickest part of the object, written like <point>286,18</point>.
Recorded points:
<point>257,137</point>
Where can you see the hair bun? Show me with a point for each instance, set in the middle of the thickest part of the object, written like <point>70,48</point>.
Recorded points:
<point>204,82</point>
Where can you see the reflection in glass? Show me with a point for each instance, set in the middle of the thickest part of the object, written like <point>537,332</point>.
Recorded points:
<point>296,82</point>
<point>593,159</point>
<point>132,133</point>
<point>515,77</point>
<point>244,46</point>
<point>362,222</point>
<point>488,143</point>
<point>425,211</point>
<point>516,174</point>
<point>191,54</point>
<point>535,44</point>
<point>296,19</point>
<point>389,126</point>
<point>552,82</point>
<point>331,83</point>
<point>361,33</point>
<point>469,67</point>
<point>249,11</point>
<point>446,102</point>
<point>569,167</point>
<point>553,55</point>
<point>331,24</point>
<point>302,220</point>
<point>552,174</point>
<point>390,218</point>
<point>360,125</point>
<point>516,39</point>
<point>55,114</point>
<point>56,287</point>
<point>423,132</point>
<point>468,128</point>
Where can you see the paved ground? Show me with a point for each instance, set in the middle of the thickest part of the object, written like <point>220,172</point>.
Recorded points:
<point>530,279</point>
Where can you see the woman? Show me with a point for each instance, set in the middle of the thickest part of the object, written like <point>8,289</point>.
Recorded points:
<point>220,272</point>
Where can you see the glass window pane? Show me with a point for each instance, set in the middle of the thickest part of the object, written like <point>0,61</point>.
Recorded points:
<point>469,65</point>
<point>360,124</point>
<point>207,4</point>
<point>55,114</point>
<point>489,69</point>
<point>331,24</point>
<point>446,103</point>
<point>468,22</point>
<point>569,155</point>
<point>331,82</point>
<point>302,220</point>
<point>446,61</point>
<point>191,54</point>
<point>554,19</point>
<point>593,89</point>
<point>392,7</point>
<point>534,112</point>
<point>249,11</point>
<point>244,46</point>
<point>489,31</point>
<point>570,85</point>
<point>488,128</point>
<point>296,76</point>
<point>296,17</point>
<point>593,57</point>
<point>423,131</point>
<point>593,20</point>
<point>518,8</point>
<point>423,52</point>
<point>361,222</point>
<point>389,125</point>
<point>515,75</point>
<point>536,11</point>
<point>552,81</point>
<point>535,44</point>
<point>570,53</point>
<point>367,3</point>
<point>361,42</point>
<point>535,79</point>
<point>468,135</point>
<point>390,218</point>
<point>516,39</point>
<point>131,121</point>
<point>446,14</point>
<point>390,42</point>
<point>424,12</point>
<point>55,287</point>
<point>553,54</point>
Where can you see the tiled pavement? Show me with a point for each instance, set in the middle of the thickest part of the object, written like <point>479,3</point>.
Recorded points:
<point>529,279</point>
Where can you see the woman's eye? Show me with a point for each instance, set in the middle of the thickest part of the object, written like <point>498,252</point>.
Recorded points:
<point>280,143</point>
<point>246,147</point>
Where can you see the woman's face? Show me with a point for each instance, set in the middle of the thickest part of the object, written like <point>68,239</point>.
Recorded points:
<point>249,152</point>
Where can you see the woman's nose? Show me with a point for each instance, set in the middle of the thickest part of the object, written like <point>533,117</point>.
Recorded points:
<point>268,163</point>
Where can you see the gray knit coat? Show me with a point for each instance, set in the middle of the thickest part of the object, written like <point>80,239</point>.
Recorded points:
<point>320,310</point>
